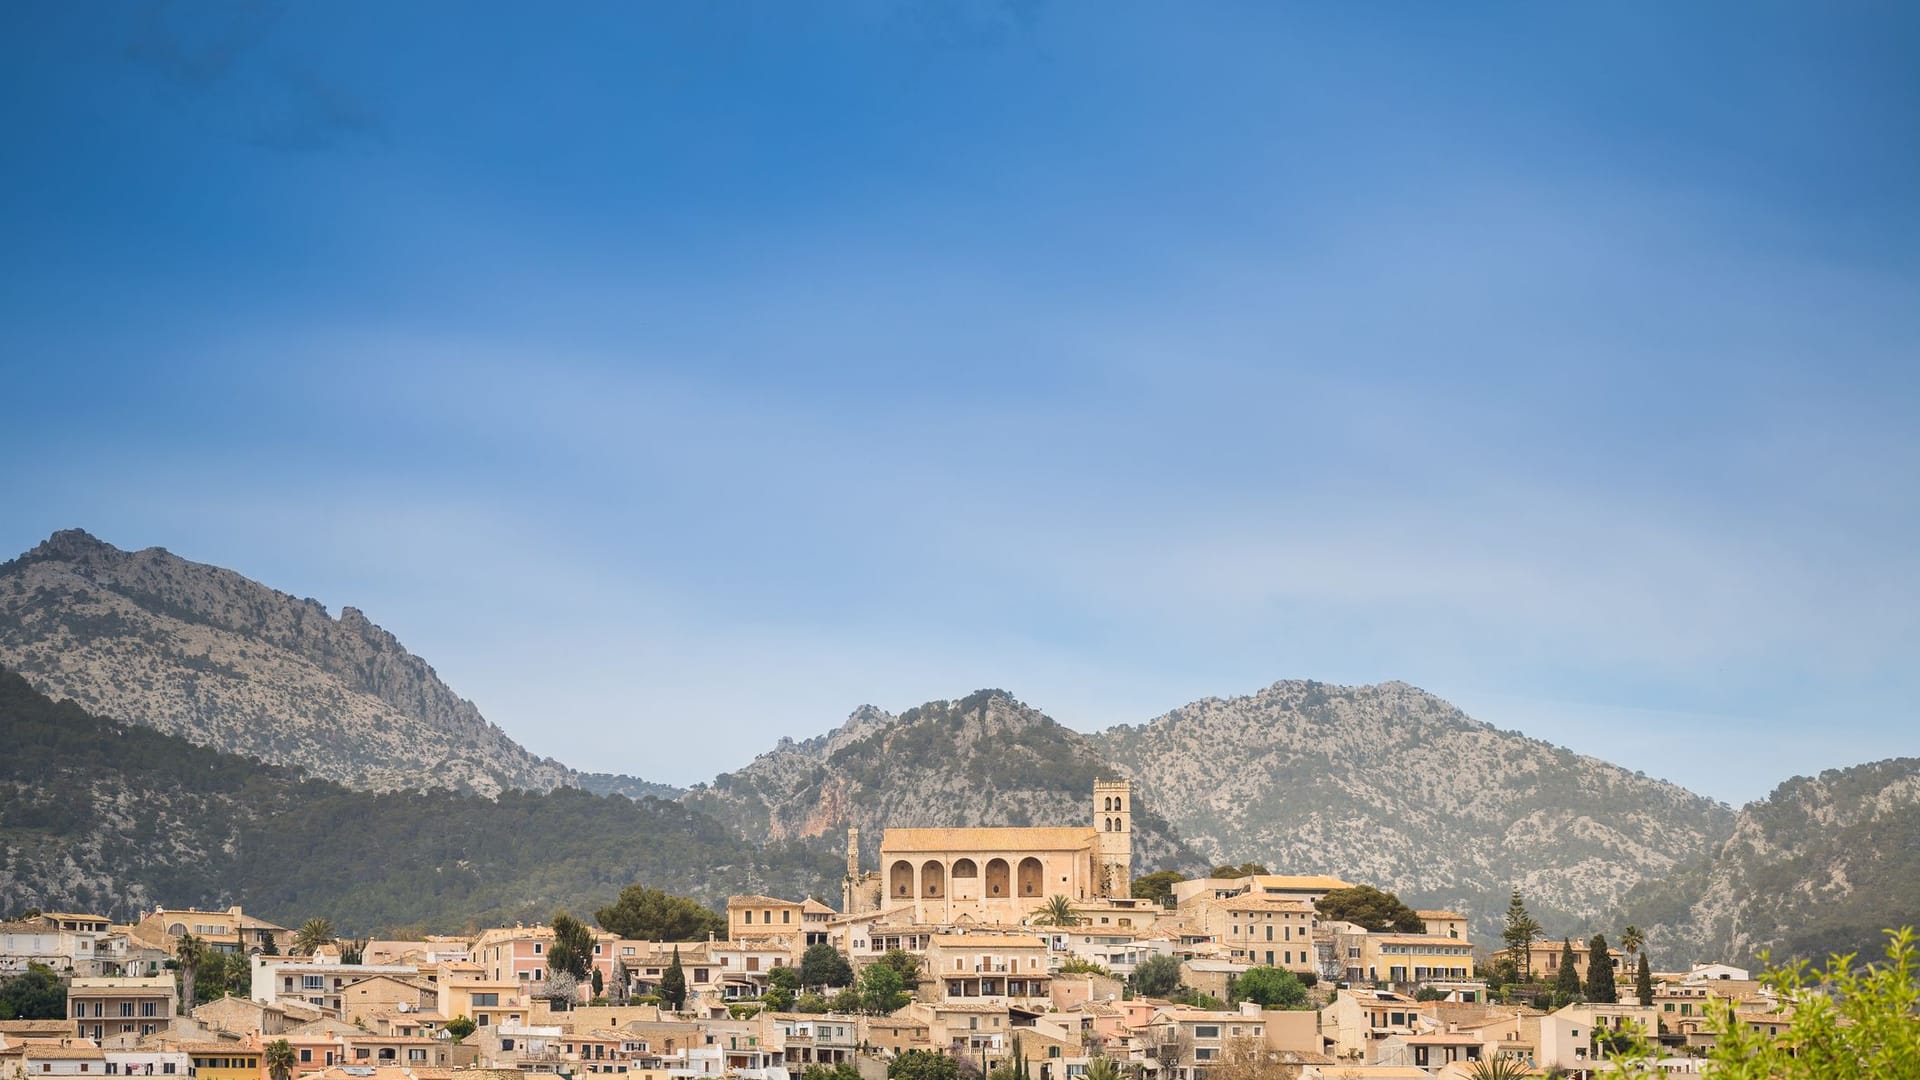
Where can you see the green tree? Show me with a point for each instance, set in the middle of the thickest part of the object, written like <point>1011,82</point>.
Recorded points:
<point>1846,1023</point>
<point>1370,909</point>
<point>1600,984</point>
<point>1566,984</point>
<point>1158,886</point>
<point>460,1027</point>
<point>782,984</point>
<point>673,984</point>
<point>1520,934</point>
<point>843,1071</point>
<point>1271,988</point>
<point>1500,1067</point>
<point>599,983</point>
<point>923,1065</point>
<point>572,947</point>
<point>647,914</point>
<point>280,1059</point>
<point>1632,939</point>
<point>810,1002</point>
<point>1643,982</point>
<point>881,989</point>
<point>1102,1068</point>
<point>847,1001</point>
<point>188,954</point>
<point>35,994</point>
<point>906,963</point>
<point>822,965</point>
<point>1245,869</point>
<point>1156,976</point>
<point>353,950</point>
<point>312,934</point>
<point>1058,911</point>
<point>1080,965</point>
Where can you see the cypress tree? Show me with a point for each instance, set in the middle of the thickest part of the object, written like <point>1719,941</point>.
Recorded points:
<point>673,984</point>
<point>1521,932</point>
<point>1566,984</point>
<point>1600,985</point>
<point>1643,982</point>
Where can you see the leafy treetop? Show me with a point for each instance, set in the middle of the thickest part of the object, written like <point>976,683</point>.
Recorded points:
<point>1370,909</point>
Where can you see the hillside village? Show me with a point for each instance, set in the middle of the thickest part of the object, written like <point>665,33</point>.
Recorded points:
<point>1007,953</point>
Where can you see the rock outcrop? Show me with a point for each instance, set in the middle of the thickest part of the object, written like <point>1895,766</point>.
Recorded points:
<point>204,653</point>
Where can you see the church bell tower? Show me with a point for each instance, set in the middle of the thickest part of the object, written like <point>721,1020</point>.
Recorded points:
<point>1113,820</point>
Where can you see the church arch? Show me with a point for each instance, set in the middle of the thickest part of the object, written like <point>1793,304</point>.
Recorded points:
<point>1032,877</point>
<point>999,878</point>
<point>900,879</point>
<point>933,879</point>
<point>964,868</point>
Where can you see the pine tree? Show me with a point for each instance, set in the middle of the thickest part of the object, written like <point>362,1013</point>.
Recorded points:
<point>1643,982</point>
<point>1566,984</point>
<point>1600,985</point>
<point>673,984</point>
<point>1521,932</point>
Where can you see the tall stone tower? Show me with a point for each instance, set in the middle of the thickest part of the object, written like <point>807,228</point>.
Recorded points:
<point>1113,819</point>
<point>850,888</point>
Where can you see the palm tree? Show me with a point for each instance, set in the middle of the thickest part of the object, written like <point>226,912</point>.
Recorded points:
<point>1058,911</point>
<point>188,954</point>
<point>312,934</point>
<point>1500,1067</point>
<point>280,1059</point>
<point>1630,941</point>
<point>1102,1068</point>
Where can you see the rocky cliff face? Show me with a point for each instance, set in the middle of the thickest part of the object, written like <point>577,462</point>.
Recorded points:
<point>226,662</point>
<point>1824,864</point>
<point>1390,785</point>
<point>983,760</point>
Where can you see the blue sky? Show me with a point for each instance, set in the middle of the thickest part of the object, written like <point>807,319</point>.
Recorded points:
<point>675,377</point>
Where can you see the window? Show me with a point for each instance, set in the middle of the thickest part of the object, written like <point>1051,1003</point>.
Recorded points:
<point>306,1053</point>
<point>536,948</point>
<point>1206,1031</point>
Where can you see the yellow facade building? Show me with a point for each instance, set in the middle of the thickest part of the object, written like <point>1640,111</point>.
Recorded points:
<point>997,876</point>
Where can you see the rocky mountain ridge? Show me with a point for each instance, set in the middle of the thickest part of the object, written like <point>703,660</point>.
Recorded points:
<point>1384,784</point>
<point>1391,785</point>
<point>208,654</point>
<point>1822,865</point>
<point>986,759</point>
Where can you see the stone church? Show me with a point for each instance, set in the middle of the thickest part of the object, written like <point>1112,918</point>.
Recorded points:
<point>996,875</point>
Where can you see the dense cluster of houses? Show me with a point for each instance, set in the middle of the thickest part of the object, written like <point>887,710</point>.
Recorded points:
<point>1003,974</point>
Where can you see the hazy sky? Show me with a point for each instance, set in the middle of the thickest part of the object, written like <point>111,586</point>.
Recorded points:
<point>678,376</point>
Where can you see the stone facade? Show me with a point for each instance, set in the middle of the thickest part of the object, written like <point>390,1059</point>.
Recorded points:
<point>998,876</point>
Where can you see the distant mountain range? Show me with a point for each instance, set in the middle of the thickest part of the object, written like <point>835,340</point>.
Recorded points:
<point>1385,784</point>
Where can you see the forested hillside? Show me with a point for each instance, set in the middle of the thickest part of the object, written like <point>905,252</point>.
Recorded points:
<point>1822,865</point>
<point>97,815</point>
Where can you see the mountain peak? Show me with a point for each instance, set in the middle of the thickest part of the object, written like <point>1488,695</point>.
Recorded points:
<point>72,545</point>
<point>206,653</point>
